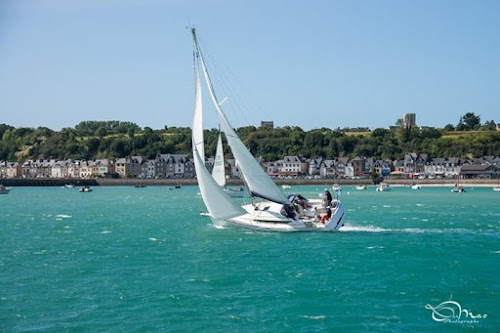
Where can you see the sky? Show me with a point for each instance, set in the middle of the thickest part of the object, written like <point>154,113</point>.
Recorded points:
<point>301,63</point>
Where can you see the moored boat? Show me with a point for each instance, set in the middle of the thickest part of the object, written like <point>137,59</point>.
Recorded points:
<point>383,187</point>
<point>4,190</point>
<point>85,189</point>
<point>336,187</point>
<point>457,188</point>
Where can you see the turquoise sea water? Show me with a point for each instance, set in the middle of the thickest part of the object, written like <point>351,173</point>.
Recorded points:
<point>124,259</point>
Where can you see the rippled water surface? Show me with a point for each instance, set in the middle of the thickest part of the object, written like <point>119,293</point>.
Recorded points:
<point>124,259</point>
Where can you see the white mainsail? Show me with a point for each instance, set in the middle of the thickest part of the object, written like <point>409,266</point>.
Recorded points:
<point>220,206</point>
<point>259,183</point>
<point>219,172</point>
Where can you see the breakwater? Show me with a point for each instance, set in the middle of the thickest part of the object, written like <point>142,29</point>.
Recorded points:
<point>236,182</point>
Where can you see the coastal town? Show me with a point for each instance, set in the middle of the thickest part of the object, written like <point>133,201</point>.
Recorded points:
<point>181,166</point>
<point>414,165</point>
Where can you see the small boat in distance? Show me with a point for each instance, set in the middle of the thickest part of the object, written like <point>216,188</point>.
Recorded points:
<point>4,190</point>
<point>415,187</point>
<point>383,187</point>
<point>457,188</point>
<point>85,189</point>
<point>361,187</point>
<point>139,185</point>
<point>69,185</point>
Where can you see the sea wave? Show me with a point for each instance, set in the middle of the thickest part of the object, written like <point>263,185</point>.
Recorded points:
<point>313,317</point>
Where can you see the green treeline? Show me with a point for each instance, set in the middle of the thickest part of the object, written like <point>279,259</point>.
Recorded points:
<point>114,139</point>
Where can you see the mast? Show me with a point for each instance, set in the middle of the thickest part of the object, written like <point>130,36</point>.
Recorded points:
<point>198,139</point>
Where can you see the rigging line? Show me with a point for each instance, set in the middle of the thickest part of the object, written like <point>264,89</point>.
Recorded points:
<point>226,82</point>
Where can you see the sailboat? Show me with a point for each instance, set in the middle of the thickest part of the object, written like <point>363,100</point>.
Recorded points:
<point>458,188</point>
<point>219,171</point>
<point>270,209</point>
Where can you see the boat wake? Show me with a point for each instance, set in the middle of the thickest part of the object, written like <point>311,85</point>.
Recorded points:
<point>371,228</point>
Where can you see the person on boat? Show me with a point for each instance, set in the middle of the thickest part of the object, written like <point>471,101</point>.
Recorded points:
<point>288,211</point>
<point>325,218</point>
<point>327,198</point>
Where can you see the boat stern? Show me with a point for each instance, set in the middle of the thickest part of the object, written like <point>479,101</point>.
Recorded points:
<point>337,219</point>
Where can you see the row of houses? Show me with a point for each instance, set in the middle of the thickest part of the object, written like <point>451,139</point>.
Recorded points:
<point>182,166</point>
<point>413,165</point>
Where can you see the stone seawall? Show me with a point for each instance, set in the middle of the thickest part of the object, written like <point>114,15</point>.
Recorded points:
<point>173,182</point>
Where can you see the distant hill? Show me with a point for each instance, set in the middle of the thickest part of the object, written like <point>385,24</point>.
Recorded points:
<point>115,139</point>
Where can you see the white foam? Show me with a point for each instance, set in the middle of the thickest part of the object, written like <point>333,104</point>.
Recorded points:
<point>313,317</point>
<point>371,228</point>
<point>63,216</point>
<point>106,232</point>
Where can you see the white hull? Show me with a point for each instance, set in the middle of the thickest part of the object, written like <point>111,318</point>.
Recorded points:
<point>361,187</point>
<point>383,188</point>
<point>496,188</point>
<point>266,216</point>
<point>234,193</point>
<point>4,190</point>
<point>415,187</point>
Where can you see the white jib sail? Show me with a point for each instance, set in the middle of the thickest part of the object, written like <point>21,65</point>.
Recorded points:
<point>219,172</point>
